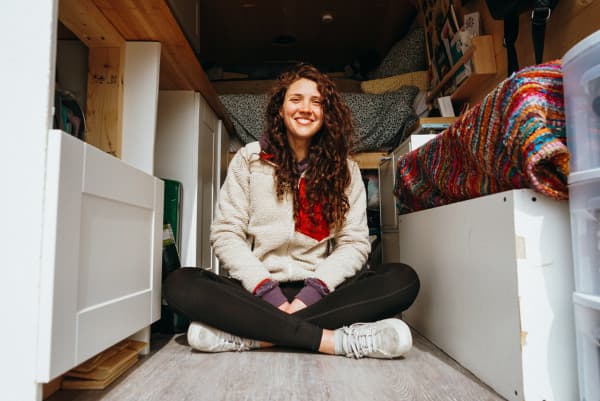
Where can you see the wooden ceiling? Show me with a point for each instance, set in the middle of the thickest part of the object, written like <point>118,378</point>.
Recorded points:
<point>109,23</point>
<point>241,32</point>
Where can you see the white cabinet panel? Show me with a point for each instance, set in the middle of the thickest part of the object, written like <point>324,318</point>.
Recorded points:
<point>176,158</point>
<point>496,283</point>
<point>189,148</point>
<point>105,274</point>
<point>101,254</point>
<point>208,155</point>
<point>140,96</point>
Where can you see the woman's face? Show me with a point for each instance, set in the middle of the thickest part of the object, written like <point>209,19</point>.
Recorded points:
<point>302,111</point>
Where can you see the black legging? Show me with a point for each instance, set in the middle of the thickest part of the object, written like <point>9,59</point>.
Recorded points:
<point>377,293</point>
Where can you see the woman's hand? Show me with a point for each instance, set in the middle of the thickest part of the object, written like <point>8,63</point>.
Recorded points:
<point>284,307</point>
<point>295,306</point>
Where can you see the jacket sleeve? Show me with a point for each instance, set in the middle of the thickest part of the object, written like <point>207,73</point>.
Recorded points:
<point>352,244</point>
<point>229,228</point>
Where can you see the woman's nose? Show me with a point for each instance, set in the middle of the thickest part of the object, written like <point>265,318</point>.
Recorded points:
<point>305,106</point>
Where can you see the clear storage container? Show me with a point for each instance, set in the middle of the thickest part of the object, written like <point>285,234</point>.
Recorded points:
<point>587,331</point>
<point>581,77</point>
<point>584,205</point>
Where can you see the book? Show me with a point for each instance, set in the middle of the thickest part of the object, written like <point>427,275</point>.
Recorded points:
<point>446,36</point>
<point>453,18</point>
<point>431,125</point>
<point>471,23</point>
<point>457,51</point>
<point>445,106</point>
<point>442,63</point>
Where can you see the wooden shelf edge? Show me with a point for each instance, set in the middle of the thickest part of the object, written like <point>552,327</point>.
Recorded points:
<point>368,160</point>
<point>465,90</point>
<point>365,160</point>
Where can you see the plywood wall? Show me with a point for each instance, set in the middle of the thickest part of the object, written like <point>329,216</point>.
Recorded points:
<point>571,21</point>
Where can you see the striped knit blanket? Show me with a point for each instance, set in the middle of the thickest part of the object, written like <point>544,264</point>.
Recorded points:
<point>515,138</point>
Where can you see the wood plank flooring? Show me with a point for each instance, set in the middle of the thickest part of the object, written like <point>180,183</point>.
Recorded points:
<point>173,372</point>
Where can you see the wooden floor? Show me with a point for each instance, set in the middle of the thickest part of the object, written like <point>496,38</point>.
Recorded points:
<point>173,372</point>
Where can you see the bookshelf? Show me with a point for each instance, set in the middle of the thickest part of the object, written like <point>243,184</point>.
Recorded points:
<point>481,53</point>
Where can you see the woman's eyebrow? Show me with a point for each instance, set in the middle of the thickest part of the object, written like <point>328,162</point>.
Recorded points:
<point>303,95</point>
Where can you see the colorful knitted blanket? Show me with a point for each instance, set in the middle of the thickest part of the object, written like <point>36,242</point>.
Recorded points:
<point>515,138</point>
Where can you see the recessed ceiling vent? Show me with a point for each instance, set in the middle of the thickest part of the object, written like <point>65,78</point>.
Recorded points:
<point>284,40</point>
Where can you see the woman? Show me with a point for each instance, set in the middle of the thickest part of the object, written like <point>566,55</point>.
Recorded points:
<point>291,230</point>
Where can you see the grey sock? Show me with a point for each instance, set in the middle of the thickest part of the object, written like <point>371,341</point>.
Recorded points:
<point>338,341</point>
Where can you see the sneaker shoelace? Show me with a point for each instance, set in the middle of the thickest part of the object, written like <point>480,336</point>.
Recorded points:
<point>359,340</point>
<point>230,341</point>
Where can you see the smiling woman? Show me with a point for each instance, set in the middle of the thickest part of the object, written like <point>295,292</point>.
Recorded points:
<point>291,230</point>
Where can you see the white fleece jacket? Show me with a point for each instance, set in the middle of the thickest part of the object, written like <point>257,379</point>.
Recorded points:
<point>254,237</point>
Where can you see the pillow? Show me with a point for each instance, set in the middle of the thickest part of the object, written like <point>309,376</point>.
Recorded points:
<point>392,84</point>
<point>407,55</point>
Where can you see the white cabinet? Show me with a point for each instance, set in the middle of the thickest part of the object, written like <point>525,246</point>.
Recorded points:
<point>83,229</point>
<point>387,207</point>
<point>101,244</point>
<point>496,283</point>
<point>101,254</point>
<point>189,147</point>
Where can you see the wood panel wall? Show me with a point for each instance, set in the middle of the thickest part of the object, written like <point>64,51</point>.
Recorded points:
<point>571,21</point>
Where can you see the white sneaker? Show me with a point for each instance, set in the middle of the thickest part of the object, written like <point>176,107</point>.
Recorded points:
<point>388,338</point>
<point>204,338</point>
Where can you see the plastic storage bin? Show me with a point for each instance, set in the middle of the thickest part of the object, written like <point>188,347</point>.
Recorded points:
<point>584,205</point>
<point>587,329</point>
<point>581,70</point>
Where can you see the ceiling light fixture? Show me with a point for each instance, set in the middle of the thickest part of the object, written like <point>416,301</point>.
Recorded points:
<point>326,18</point>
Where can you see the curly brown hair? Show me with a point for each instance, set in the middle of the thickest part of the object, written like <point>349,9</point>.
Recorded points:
<point>328,174</point>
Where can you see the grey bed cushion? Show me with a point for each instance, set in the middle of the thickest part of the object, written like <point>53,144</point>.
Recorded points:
<point>406,55</point>
<point>381,120</point>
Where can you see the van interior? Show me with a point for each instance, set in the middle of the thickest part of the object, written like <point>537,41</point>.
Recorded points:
<point>153,98</point>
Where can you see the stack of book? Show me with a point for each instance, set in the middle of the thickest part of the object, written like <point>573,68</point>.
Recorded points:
<point>431,125</point>
<point>100,371</point>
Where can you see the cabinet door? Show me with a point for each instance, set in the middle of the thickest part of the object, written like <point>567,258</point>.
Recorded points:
<point>218,176</point>
<point>208,159</point>
<point>101,254</point>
